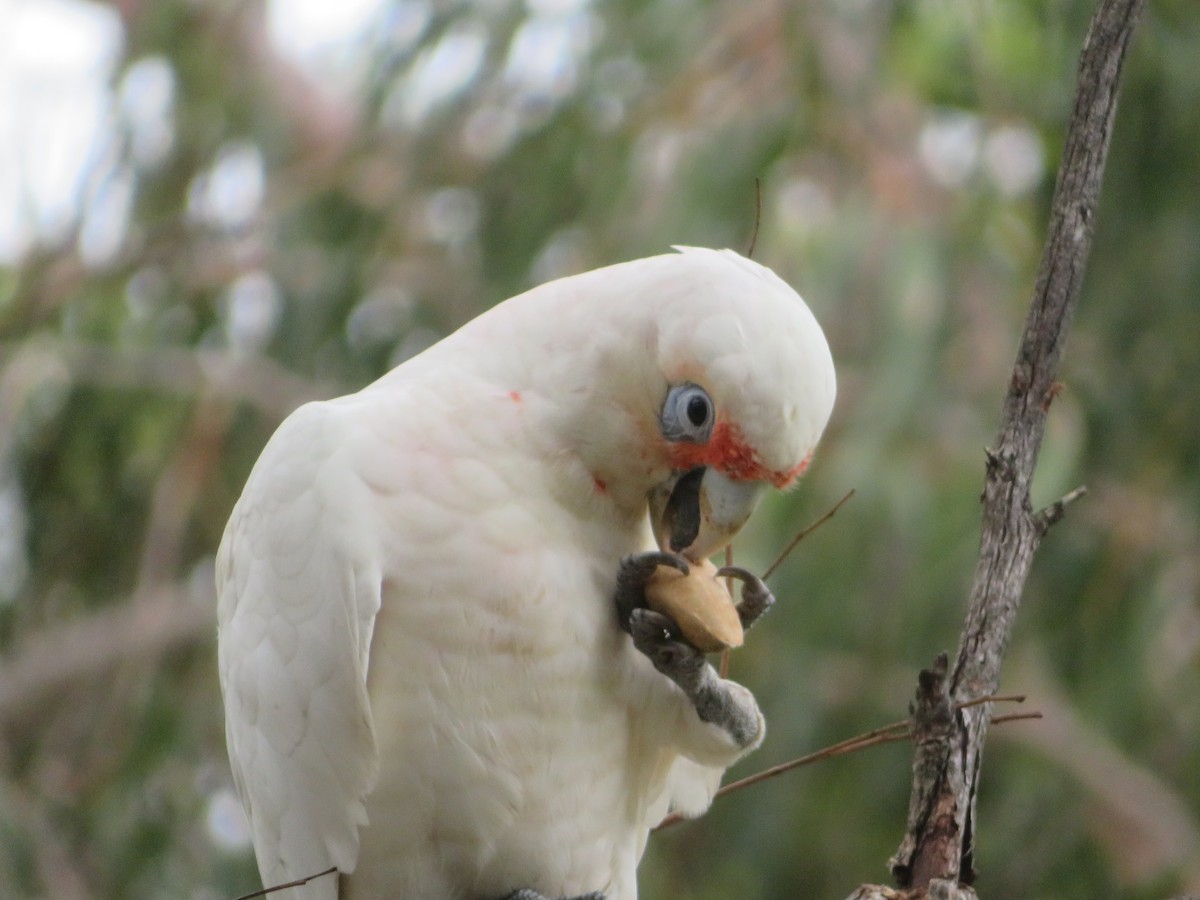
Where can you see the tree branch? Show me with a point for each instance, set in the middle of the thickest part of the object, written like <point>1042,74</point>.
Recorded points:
<point>259,381</point>
<point>937,853</point>
<point>45,664</point>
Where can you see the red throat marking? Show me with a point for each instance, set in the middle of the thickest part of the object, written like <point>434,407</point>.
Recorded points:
<point>728,452</point>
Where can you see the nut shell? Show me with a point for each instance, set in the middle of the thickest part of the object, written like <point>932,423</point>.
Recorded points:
<point>699,604</point>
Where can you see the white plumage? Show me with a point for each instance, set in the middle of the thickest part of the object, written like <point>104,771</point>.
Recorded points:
<point>424,677</point>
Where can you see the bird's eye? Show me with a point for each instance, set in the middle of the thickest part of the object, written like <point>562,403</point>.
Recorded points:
<point>687,414</point>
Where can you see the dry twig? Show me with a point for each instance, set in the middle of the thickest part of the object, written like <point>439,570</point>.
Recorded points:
<point>937,853</point>
<point>299,882</point>
<point>805,532</point>
<point>886,734</point>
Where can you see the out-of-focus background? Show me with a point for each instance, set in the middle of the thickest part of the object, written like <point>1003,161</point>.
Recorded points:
<point>212,211</point>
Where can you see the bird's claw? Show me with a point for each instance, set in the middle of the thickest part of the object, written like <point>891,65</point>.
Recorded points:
<point>659,638</point>
<point>756,596</point>
<point>722,703</point>
<point>530,894</point>
<point>633,574</point>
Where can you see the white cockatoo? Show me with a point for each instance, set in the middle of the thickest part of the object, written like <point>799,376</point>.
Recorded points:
<point>439,671</point>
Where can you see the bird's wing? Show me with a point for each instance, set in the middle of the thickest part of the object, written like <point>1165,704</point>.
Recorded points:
<point>298,593</point>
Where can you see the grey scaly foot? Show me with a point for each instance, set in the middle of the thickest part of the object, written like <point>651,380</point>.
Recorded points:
<point>722,703</point>
<point>756,596</point>
<point>632,576</point>
<point>530,894</point>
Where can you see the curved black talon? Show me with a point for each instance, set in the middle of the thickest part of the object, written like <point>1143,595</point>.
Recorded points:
<point>656,558</point>
<point>739,573</point>
<point>632,576</point>
<point>756,596</point>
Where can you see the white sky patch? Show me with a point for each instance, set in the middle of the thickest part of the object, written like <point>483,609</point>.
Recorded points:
<point>146,98</point>
<point>311,29</point>
<point>543,59</point>
<point>315,31</point>
<point>63,122</point>
<point>949,146</point>
<point>541,67</point>
<point>556,7</point>
<point>106,220</point>
<point>438,75</point>
<point>252,309</point>
<point>230,193</point>
<point>59,113</point>
<point>56,59</point>
<point>336,40</point>
<point>226,822</point>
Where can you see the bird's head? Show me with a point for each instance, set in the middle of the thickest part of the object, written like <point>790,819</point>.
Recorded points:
<point>746,386</point>
<point>687,384</point>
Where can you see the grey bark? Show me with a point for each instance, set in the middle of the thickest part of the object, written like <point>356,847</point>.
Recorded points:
<point>936,857</point>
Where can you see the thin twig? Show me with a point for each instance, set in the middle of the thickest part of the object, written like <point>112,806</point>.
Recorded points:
<point>1016,717</point>
<point>897,731</point>
<point>805,532</point>
<point>299,882</point>
<point>885,734</point>
<point>757,217</point>
<point>724,665</point>
<point>1056,510</point>
<point>992,698</point>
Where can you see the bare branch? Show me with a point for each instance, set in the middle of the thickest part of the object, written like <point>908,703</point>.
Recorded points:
<point>938,847</point>
<point>1056,510</point>
<point>49,661</point>
<point>263,383</point>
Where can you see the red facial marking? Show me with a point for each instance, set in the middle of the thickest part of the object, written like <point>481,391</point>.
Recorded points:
<point>600,485</point>
<point>514,396</point>
<point>728,452</point>
<point>790,476</point>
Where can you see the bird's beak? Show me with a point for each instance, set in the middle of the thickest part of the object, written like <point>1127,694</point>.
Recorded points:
<point>698,512</point>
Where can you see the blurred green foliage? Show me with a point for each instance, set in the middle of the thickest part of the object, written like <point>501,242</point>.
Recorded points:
<point>906,155</point>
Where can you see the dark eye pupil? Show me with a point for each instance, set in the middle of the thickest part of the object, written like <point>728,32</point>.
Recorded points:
<point>697,411</point>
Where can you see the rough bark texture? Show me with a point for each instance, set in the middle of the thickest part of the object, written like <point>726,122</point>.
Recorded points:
<point>936,857</point>
<point>932,813</point>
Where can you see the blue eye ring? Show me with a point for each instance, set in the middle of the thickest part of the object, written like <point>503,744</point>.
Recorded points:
<point>688,414</point>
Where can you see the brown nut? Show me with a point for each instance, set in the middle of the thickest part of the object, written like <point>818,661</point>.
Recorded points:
<point>699,604</point>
